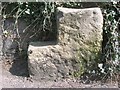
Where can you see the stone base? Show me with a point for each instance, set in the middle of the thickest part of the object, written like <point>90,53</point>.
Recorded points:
<point>78,47</point>
<point>49,62</point>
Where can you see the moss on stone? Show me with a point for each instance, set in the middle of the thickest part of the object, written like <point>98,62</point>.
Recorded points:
<point>86,55</point>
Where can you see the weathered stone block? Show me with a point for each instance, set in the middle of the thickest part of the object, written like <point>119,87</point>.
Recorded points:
<point>79,43</point>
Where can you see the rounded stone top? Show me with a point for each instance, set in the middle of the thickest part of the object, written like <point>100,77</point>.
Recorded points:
<point>70,10</point>
<point>94,14</point>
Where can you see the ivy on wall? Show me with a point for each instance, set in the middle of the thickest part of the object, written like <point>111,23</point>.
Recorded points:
<point>111,50</point>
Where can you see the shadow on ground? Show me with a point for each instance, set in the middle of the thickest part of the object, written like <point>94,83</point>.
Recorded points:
<point>20,66</point>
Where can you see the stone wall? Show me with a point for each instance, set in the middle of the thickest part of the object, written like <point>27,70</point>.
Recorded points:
<point>77,48</point>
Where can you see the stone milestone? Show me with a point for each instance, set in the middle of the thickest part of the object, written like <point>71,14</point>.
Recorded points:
<point>78,46</point>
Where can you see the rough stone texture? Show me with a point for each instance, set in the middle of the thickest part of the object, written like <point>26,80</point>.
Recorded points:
<point>9,46</point>
<point>79,44</point>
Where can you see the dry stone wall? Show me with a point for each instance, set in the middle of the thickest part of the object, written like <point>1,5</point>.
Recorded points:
<point>78,45</point>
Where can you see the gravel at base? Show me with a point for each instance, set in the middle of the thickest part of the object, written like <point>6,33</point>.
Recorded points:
<point>12,81</point>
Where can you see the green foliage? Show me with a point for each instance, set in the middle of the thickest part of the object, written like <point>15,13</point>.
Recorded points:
<point>69,4</point>
<point>111,50</point>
